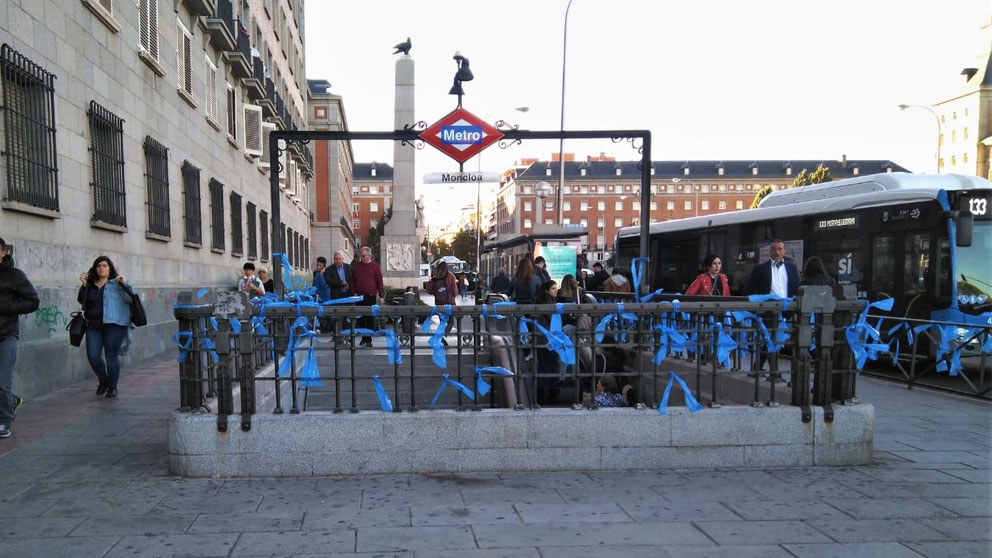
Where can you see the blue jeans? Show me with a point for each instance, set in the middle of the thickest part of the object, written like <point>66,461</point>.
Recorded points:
<point>8,355</point>
<point>105,340</point>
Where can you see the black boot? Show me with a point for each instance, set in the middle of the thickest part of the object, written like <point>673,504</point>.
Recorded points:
<point>102,388</point>
<point>111,391</point>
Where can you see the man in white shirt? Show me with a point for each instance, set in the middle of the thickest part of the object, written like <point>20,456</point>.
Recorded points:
<point>776,276</point>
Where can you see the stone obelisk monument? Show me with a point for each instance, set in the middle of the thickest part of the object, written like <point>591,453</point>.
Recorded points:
<point>400,246</point>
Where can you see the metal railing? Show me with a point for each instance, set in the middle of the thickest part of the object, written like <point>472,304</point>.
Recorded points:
<point>519,349</point>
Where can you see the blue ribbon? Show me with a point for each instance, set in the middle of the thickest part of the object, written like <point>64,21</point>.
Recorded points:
<point>201,293</point>
<point>865,340</point>
<point>213,323</point>
<point>621,319</point>
<point>235,325</point>
<point>207,344</point>
<point>459,386</point>
<point>557,341</point>
<point>635,273</point>
<point>310,376</point>
<point>481,385</point>
<point>183,345</point>
<point>670,340</point>
<point>292,346</point>
<point>690,401</point>
<point>393,352</point>
<point>384,403</point>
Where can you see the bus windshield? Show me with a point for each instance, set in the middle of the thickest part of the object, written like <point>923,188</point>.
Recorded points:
<point>975,271</point>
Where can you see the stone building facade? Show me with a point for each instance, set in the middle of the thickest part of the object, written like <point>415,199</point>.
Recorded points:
<point>138,129</point>
<point>334,163</point>
<point>372,194</point>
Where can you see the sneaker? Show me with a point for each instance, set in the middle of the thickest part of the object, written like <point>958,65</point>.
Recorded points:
<point>4,431</point>
<point>20,401</point>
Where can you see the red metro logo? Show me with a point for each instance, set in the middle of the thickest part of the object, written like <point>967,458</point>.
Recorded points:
<point>460,135</point>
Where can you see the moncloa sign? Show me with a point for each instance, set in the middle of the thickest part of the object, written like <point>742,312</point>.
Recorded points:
<point>460,177</point>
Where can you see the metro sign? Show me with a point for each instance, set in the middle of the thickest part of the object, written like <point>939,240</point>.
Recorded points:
<point>461,135</point>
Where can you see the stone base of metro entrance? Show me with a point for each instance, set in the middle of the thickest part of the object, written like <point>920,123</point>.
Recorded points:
<point>496,440</point>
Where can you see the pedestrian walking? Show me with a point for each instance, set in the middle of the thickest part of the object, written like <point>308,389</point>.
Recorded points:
<point>776,276</point>
<point>106,299</point>
<point>443,286</point>
<point>17,296</point>
<point>367,282</point>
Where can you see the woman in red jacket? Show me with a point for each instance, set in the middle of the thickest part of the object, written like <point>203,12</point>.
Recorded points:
<point>711,282</point>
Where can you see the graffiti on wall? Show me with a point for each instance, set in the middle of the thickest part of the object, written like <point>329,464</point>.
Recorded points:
<point>50,317</point>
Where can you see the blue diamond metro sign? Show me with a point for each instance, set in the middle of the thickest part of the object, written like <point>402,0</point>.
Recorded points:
<point>460,135</point>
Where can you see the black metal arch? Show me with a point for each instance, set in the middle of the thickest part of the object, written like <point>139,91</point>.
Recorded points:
<point>411,135</point>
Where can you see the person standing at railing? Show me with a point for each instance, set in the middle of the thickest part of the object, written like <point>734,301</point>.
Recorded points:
<point>249,283</point>
<point>443,286</point>
<point>523,288</point>
<point>500,283</point>
<point>338,279</point>
<point>17,296</point>
<point>815,274</point>
<point>598,279</point>
<point>322,290</point>
<point>267,283</point>
<point>617,283</point>
<point>776,276</point>
<point>367,282</point>
<point>547,361</point>
<point>710,282</point>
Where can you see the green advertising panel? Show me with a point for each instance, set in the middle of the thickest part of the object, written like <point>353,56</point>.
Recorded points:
<point>560,260</point>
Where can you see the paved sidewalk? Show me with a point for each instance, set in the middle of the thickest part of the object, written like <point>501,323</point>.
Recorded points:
<point>87,476</point>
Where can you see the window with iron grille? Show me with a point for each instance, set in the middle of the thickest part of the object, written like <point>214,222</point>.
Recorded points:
<point>263,219</point>
<point>107,151</point>
<point>237,242</point>
<point>252,230</point>
<point>29,126</point>
<point>216,215</point>
<point>157,183</point>
<point>191,204</point>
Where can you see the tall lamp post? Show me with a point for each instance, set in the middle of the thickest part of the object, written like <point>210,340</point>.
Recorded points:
<point>937,118</point>
<point>561,141</point>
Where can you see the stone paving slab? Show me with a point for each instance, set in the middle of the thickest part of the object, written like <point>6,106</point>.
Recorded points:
<point>589,534</point>
<point>957,549</point>
<point>572,513</point>
<point>851,550</point>
<point>877,530</point>
<point>356,518</point>
<point>465,515</point>
<point>391,539</point>
<point>761,532</point>
<point>285,543</point>
<point>253,522</point>
<point>58,547</point>
<point>626,551</point>
<point>143,525</point>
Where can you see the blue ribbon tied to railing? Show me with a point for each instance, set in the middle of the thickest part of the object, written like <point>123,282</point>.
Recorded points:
<point>183,340</point>
<point>481,385</point>
<point>690,401</point>
<point>621,321</point>
<point>558,342</point>
<point>384,402</point>
<point>298,330</point>
<point>436,340</point>
<point>457,385</point>
<point>669,341</point>
<point>393,352</point>
<point>864,339</point>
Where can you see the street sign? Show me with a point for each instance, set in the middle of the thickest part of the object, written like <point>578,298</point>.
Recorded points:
<point>460,135</point>
<point>460,177</point>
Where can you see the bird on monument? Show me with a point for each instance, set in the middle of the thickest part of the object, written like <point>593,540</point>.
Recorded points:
<point>403,47</point>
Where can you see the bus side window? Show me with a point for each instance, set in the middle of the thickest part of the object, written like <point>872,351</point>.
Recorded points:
<point>883,261</point>
<point>915,267</point>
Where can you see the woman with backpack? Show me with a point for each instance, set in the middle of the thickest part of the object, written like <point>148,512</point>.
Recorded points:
<point>444,287</point>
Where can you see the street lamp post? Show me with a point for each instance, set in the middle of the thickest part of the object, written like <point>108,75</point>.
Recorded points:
<point>937,118</point>
<point>561,141</point>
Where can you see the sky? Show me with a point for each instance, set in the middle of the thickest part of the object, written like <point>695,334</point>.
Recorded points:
<point>716,80</point>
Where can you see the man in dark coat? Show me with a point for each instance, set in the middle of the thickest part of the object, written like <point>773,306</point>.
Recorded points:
<point>17,296</point>
<point>338,279</point>
<point>599,277</point>
<point>500,283</point>
<point>776,276</point>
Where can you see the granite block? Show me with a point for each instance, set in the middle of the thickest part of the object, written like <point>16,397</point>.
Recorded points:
<point>728,426</point>
<point>852,424</point>
<point>492,429</point>
<point>672,457</point>
<point>530,459</point>
<point>283,464</point>
<point>794,455</point>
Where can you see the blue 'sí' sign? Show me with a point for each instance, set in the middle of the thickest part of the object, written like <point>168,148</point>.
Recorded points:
<point>461,135</point>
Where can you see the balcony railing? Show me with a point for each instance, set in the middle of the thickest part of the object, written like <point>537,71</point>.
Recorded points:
<point>267,102</point>
<point>255,84</point>
<point>220,26</point>
<point>240,57</point>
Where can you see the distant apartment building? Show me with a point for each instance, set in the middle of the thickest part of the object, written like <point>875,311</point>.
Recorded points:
<point>332,199</point>
<point>138,129</point>
<point>966,119</point>
<point>372,194</point>
<point>602,195</point>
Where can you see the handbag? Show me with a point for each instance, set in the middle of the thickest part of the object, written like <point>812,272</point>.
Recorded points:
<point>76,328</point>
<point>138,317</point>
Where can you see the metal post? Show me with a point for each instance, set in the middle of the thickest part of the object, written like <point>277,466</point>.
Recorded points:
<point>561,140</point>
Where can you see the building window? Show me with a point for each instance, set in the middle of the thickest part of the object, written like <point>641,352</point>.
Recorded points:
<point>685,171</point>
<point>210,95</point>
<point>547,171</point>
<point>527,223</point>
<point>637,205</point>
<point>148,27</point>
<point>232,116</point>
<point>601,205</point>
<point>964,133</point>
<point>719,171</point>
<point>670,205</point>
<point>263,220</point>
<point>855,171</point>
<point>788,171</point>
<point>527,190</point>
<point>582,172</point>
<point>600,222</point>
<point>29,126</point>
<point>584,206</point>
<point>688,205</point>
<point>584,223</point>
<point>252,230</point>
<point>184,59</point>
<point>374,190</point>
<point>107,150</point>
<point>157,186</point>
<point>356,224</point>
<point>237,241</point>
<point>704,205</point>
<point>618,205</point>
<point>216,214</point>
<point>654,205</point>
<point>739,204</point>
<point>618,171</point>
<point>964,157</point>
<point>528,206</point>
<point>601,240</point>
<point>754,171</point>
<point>354,190</point>
<point>566,206</point>
<point>373,207</point>
<point>722,204</point>
<point>356,208</point>
<point>566,221</point>
<point>191,203</point>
